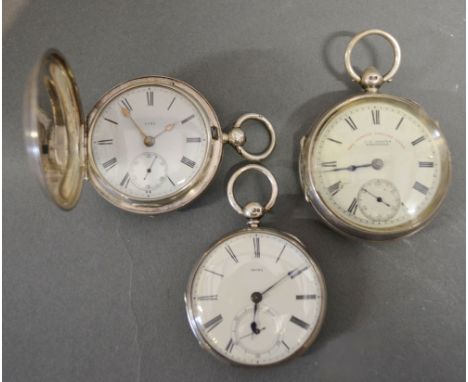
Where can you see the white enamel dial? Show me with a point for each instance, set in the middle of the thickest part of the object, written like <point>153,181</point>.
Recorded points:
<point>256,298</point>
<point>149,142</point>
<point>376,164</point>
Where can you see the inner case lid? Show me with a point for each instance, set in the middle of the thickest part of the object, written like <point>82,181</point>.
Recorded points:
<point>54,129</point>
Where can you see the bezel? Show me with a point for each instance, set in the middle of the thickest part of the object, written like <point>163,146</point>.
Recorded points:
<point>190,308</point>
<point>312,195</point>
<point>193,188</point>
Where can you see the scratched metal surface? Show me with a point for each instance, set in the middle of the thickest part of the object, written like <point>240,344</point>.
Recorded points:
<point>96,294</point>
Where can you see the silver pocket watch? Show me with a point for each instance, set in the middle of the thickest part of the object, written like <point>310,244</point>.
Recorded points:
<point>149,145</point>
<point>256,297</point>
<point>375,166</point>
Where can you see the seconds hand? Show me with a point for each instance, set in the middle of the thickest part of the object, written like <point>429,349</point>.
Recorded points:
<point>246,335</point>
<point>378,198</point>
<point>148,170</point>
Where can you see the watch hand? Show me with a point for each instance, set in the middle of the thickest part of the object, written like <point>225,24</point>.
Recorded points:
<point>293,273</point>
<point>376,164</point>
<point>255,329</point>
<point>167,128</point>
<point>253,325</point>
<point>276,283</point>
<point>148,140</point>
<point>256,298</point>
<point>350,168</point>
<point>148,170</point>
<point>246,335</point>
<point>378,198</point>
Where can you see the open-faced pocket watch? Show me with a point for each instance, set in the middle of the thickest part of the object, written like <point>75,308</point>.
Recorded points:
<point>256,297</point>
<point>149,145</point>
<point>375,166</point>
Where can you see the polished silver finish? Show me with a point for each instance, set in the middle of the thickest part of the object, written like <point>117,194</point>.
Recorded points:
<point>253,211</point>
<point>371,79</point>
<point>236,137</point>
<point>54,129</point>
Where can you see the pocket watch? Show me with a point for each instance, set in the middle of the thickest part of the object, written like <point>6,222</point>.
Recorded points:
<point>148,146</point>
<point>256,297</point>
<point>375,166</point>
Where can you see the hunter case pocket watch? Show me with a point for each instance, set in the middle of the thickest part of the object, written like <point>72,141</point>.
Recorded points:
<point>149,145</point>
<point>256,297</point>
<point>375,166</point>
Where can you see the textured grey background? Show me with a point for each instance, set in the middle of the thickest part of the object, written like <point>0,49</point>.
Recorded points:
<point>96,294</point>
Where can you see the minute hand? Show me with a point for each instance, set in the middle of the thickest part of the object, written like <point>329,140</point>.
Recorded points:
<point>295,272</point>
<point>350,168</point>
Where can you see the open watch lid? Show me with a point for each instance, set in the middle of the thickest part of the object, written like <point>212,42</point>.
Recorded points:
<point>54,129</point>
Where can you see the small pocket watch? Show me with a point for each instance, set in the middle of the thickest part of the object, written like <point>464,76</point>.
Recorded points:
<point>375,166</point>
<point>149,145</point>
<point>256,297</point>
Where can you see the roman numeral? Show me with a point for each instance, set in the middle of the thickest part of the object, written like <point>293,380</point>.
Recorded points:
<point>105,142</point>
<point>329,164</point>
<point>230,346</point>
<point>285,345</point>
<point>231,253</point>
<point>170,180</point>
<point>353,207</point>
<point>193,140</point>
<point>150,97</point>
<point>213,272</point>
<point>419,140</point>
<point>188,162</point>
<point>426,164</point>
<point>399,123</point>
<point>213,323</point>
<point>421,188</point>
<point>334,140</point>
<point>110,163</point>
<point>127,104</point>
<point>376,117</point>
<point>299,322</point>
<point>125,180</point>
<point>256,244</point>
<point>306,297</point>
<point>296,272</point>
<point>187,119</point>
<point>111,121</point>
<point>281,252</point>
<point>212,297</point>
<point>170,105</point>
<point>351,123</point>
<point>334,188</point>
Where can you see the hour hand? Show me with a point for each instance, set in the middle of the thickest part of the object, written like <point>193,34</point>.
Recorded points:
<point>376,164</point>
<point>167,128</point>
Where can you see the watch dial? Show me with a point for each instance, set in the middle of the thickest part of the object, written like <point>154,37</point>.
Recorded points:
<point>256,298</point>
<point>150,141</point>
<point>376,164</point>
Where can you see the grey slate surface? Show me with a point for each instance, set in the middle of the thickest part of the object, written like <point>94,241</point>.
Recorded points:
<point>96,294</point>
